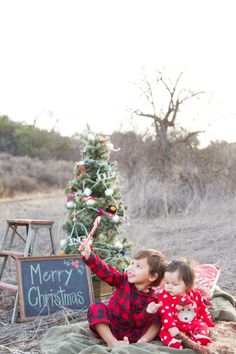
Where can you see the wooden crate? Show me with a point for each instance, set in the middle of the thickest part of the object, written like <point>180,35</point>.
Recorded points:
<point>101,289</point>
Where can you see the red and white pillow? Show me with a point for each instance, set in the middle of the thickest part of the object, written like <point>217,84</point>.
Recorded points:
<point>206,278</point>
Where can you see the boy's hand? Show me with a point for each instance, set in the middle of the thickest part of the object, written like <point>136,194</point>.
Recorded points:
<point>173,331</point>
<point>85,249</point>
<point>142,340</point>
<point>153,307</point>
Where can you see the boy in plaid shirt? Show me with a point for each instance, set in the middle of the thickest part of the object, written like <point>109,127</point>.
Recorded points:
<point>127,318</point>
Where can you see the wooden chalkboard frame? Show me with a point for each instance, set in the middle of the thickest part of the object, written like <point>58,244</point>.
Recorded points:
<point>82,271</point>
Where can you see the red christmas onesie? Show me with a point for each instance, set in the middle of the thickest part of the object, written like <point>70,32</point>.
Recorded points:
<point>126,311</point>
<point>186,312</point>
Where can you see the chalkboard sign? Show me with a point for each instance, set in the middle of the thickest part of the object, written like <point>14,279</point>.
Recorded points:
<point>46,284</point>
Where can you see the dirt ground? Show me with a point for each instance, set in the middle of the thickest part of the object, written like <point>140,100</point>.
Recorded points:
<point>207,237</point>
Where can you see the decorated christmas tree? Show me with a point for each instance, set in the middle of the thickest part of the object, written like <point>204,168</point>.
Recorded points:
<point>93,195</point>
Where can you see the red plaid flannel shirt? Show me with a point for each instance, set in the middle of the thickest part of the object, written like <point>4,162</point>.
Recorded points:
<point>127,305</point>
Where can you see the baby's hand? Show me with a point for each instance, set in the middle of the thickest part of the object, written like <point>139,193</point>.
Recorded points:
<point>153,307</point>
<point>85,249</point>
<point>173,331</point>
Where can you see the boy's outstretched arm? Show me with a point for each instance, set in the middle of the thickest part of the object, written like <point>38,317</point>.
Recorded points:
<point>103,271</point>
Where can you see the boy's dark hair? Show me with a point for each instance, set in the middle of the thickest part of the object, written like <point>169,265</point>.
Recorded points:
<point>185,270</point>
<point>156,261</point>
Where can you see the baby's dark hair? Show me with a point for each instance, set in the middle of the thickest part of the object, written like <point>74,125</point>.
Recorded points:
<point>156,261</point>
<point>185,270</point>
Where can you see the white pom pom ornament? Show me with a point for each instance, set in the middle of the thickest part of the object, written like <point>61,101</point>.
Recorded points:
<point>118,245</point>
<point>62,242</point>
<point>115,218</point>
<point>91,136</point>
<point>87,192</point>
<point>70,205</point>
<point>109,192</point>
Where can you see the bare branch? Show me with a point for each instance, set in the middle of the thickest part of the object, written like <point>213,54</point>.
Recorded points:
<point>148,115</point>
<point>151,98</point>
<point>192,95</point>
<point>187,137</point>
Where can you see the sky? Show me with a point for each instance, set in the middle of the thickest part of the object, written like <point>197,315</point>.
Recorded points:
<point>68,63</point>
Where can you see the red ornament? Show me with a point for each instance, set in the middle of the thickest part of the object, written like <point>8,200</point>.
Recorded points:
<point>100,211</point>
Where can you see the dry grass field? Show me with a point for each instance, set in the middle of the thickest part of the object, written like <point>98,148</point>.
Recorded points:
<point>209,236</point>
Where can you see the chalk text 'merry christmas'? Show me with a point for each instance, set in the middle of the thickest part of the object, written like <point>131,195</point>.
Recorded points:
<point>54,276</point>
<point>52,299</point>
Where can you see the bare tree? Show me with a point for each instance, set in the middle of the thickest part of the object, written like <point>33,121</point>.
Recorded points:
<point>163,110</point>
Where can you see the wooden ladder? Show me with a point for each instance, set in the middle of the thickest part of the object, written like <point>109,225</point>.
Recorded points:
<point>6,255</point>
<point>31,228</point>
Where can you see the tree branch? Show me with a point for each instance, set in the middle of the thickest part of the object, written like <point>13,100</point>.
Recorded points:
<point>187,137</point>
